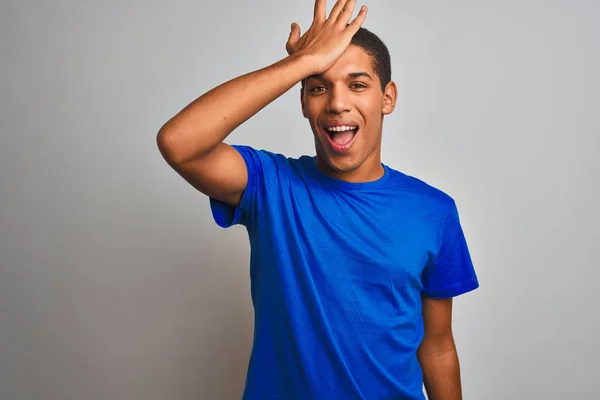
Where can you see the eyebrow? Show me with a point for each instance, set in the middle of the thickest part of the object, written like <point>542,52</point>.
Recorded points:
<point>351,75</point>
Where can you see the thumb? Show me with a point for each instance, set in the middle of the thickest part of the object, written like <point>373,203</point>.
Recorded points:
<point>294,36</point>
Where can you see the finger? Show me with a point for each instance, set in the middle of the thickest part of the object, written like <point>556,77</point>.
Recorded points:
<point>293,39</point>
<point>320,10</point>
<point>347,12</point>
<point>355,25</point>
<point>336,10</point>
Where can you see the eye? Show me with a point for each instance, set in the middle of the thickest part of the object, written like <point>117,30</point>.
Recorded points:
<point>317,88</point>
<point>358,86</point>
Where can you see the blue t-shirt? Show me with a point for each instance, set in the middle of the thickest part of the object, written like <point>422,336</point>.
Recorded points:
<point>337,271</point>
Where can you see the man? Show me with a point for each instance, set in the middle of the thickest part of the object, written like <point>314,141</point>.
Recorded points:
<point>353,264</point>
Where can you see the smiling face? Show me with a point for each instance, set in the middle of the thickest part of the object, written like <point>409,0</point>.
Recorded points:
<point>345,106</point>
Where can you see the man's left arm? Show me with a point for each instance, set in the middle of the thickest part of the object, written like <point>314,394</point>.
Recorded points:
<point>437,353</point>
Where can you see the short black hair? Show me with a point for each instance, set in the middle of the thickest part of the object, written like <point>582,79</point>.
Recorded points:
<point>373,46</point>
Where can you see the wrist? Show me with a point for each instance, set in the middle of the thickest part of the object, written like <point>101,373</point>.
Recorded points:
<point>304,63</point>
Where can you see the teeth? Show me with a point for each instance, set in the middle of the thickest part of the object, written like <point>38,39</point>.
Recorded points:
<point>341,128</point>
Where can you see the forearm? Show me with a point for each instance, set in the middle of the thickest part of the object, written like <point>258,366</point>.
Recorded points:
<point>441,371</point>
<point>207,121</point>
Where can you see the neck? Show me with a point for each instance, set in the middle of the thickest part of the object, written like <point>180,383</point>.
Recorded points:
<point>370,170</point>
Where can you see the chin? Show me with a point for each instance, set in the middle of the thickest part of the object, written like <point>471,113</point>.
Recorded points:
<point>340,164</point>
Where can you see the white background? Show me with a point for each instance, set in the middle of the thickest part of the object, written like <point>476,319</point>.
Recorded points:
<point>115,283</point>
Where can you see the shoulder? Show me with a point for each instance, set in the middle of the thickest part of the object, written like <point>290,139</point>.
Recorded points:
<point>272,163</point>
<point>261,154</point>
<point>424,191</point>
<point>261,160</point>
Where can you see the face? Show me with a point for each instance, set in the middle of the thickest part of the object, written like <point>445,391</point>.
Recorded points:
<point>345,106</point>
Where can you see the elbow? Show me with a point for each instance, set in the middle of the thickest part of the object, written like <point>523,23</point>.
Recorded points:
<point>436,346</point>
<point>178,147</point>
<point>166,145</point>
<point>171,146</point>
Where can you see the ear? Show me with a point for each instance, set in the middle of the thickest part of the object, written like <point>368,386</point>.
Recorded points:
<point>302,101</point>
<point>390,96</point>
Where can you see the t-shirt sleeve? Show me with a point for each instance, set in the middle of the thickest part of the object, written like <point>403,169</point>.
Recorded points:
<point>261,166</point>
<point>451,273</point>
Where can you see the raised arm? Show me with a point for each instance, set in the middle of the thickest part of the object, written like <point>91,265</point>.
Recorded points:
<point>192,141</point>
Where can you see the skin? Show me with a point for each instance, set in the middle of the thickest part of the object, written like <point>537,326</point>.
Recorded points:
<point>192,141</point>
<point>437,353</point>
<point>349,92</point>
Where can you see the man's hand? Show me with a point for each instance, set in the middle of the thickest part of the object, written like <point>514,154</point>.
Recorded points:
<point>327,38</point>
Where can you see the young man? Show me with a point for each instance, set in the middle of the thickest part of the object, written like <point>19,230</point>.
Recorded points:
<point>353,264</point>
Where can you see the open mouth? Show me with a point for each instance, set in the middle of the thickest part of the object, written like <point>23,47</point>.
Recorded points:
<point>340,138</point>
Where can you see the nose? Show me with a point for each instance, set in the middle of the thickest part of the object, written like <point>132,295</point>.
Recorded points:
<point>338,101</point>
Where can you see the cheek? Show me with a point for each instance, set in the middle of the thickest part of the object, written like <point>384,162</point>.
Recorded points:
<point>313,106</point>
<point>371,112</point>
<point>311,113</point>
